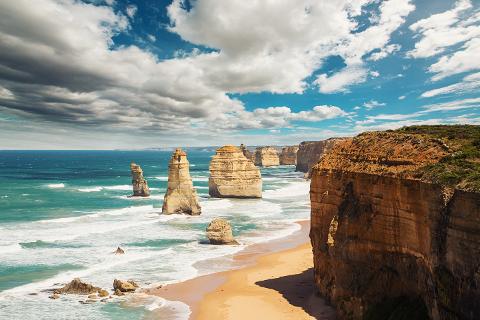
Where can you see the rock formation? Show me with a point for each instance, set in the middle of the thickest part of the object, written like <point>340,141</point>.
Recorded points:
<point>385,239</point>
<point>219,231</point>
<point>140,186</point>
<point>77,286</point>
<point>289,155</point>
<point>249,155</point>
<point>181,196</point>
<point>310,152</point>
<point>233,176</point>
<point>119,251</point>
<point>266,157</point>
<point>124,286</point>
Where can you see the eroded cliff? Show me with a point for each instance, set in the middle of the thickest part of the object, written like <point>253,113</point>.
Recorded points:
<point>266,157</point>
<point>310,152</point>
<point>387,239</point>
<point>288,156</point>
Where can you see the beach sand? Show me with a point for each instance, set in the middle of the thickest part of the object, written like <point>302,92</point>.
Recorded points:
<point>274,281</point>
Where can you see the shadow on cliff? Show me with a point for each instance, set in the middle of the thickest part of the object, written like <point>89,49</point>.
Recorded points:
<point>300,291</point>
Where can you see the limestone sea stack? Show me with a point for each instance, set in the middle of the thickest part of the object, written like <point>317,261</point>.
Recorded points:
<point>181,196</point>
<point>232,175</point>
<point>219,231</point>
<point>289,155</point>
<point>266,157</point>
<point>395,224</point>
<point>310,152</point>
<point>140,186</point>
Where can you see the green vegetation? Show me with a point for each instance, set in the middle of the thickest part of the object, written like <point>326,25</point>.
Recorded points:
<point>461,168</point>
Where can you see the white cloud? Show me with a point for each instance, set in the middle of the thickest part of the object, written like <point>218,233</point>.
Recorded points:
<point>373,104</point>
<point>110,2</point>
<point>151,37</point>
<point>401,98</point>
<point>374,74</point>
<point>340,81</point>
<point>469,83</point>
<point>385,52</point>
<point>131,10</point>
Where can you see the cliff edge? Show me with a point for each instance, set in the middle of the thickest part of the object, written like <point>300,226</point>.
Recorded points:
<point>395,224</point>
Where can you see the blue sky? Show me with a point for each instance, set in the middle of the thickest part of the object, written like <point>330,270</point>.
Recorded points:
<point>137,74</point>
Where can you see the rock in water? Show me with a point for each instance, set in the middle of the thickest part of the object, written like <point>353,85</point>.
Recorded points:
<point>181,196</point>
<point>232,175</point>
<point>76,286</point>
<point>119,251</point>
<point>289,155</point>
<point>266,157</point>
<point>140,186</point>
<point>219,231</point>
<point>124,286</point>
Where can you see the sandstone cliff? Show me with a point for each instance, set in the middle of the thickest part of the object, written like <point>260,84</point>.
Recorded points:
<point>219,231</point>
<point>233,176</point>
<point>140,186</point>
<point>386,239</point>
<point>266,157</point>
<point>247,153</point>
<point>289,155</point>
<point>310,152</point>
<point>181,196</point>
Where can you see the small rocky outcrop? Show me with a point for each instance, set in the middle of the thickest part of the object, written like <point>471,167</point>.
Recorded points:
<point>310,152</point>
<point>266,157</point>
<point>232,175</point>
<point>77,286</point>
<point>181,196</point>
<point>124,286</point>
<point>219,231</point>
<point>247,153</point>
<point>140,186</point>
<point>289,155</point>
<point>119,251</point>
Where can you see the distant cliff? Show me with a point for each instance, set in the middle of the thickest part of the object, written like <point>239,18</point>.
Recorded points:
<point>310,152</point>
<point>266,157</point>
<point>288,156</point>
<point>395,234</point>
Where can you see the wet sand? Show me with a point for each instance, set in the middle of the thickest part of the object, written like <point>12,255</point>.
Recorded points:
<point>273,280</point>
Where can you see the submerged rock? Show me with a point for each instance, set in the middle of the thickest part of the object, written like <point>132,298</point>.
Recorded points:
<point>76,286</point>
<point>140,186</point>
<point>232,175</point>
<point>181,196</point>
<point>219,231</point>
<point>124,286</point>
<point>103,293</point>
<point>266,157</point>
<point>289,155</point>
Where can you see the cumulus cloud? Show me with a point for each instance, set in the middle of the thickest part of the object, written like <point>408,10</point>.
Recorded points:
<point>443,31</point>
<point>384,52</point>
<point>373,104</point>
<point>131,10</point>
<point>340,81</point>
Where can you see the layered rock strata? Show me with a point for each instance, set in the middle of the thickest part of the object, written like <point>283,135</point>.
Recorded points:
<point>181,196</point>
<point>232,175</point>
<point>219,231</point>
<point>266,157</point>
<point>289,155</point>
<point>140,186</point>
<point>385,240</point>
<point>310,152</point>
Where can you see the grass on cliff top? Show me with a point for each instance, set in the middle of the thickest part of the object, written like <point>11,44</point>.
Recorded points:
<point>460,169</point>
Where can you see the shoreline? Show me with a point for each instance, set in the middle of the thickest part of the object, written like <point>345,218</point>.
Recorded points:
<point>275,279</point>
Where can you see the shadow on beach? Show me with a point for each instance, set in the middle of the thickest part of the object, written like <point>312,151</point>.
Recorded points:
<point>299,290</point>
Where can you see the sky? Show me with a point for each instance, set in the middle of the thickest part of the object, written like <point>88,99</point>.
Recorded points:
<point>130,74</point>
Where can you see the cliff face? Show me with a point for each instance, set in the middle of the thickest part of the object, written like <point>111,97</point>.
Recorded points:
<point>385,240</point>
<point>139,184</point>
<point>266,157</point>
<point>233,176</point>
<point>249,155</point>
<point>310,152</point>
<point>289,155</point>
<point>181,196</point>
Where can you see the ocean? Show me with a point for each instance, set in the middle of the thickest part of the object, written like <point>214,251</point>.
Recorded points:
<point>63,213</point>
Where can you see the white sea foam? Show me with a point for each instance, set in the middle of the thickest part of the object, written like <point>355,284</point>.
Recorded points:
<point>215,204</point>
<point>92,189</point>
<point>10,248</point>
<point>294,189</point>
<point>162,178</point>
<point>199,178</point>
<point>124,187</point>
<point>56,185</point>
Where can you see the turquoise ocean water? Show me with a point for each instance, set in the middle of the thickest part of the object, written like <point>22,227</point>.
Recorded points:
<point>63,213</point>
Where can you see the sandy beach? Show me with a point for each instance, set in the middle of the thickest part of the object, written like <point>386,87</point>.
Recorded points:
<point>274,281</point>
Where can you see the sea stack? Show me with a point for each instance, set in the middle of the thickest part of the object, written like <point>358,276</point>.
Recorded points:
<point>219,231</point>
<point>232,175</point>
<point>289,155</point>
<point>181,196</point>
<point>266,157</point>
<point>140,186</point>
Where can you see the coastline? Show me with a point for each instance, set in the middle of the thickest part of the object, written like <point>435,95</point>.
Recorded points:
<point>274,279</point>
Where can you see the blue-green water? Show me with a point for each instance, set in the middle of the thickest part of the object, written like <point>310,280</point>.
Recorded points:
<point>63,213</point>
